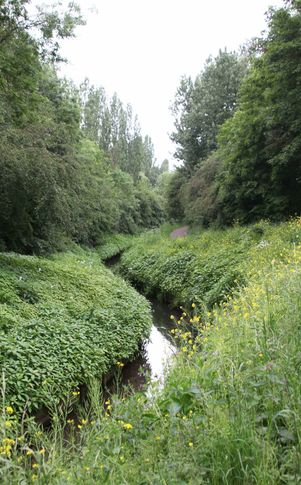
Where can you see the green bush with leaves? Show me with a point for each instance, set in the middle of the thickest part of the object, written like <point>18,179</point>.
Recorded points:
<point>64,321</point>
<point>204,267</point>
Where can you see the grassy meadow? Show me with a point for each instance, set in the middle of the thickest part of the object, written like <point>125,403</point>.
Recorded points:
<point>230,409</point>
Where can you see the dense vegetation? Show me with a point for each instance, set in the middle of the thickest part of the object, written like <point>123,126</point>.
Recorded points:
<point>230,409</point>
<point>238,131</point>
<point>74,165</point>
<point>64,321</point>
<point>75,168</point>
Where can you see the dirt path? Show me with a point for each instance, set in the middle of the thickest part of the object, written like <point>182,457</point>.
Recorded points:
<point>180,232</point>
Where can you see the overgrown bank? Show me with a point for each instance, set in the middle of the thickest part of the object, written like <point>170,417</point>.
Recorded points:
<point>64,321</point>
<point>206,267</point>
<point>230,411</point>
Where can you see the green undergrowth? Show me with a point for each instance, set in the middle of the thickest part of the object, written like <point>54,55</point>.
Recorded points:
<point>114,244</point>
<point>230,411</point>
<point>206,266</point>
<point>63,320</point>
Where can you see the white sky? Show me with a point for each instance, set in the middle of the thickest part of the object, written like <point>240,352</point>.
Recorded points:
<point>141,48</point>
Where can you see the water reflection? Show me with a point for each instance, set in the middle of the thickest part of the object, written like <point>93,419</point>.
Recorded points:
<point>156,354</point>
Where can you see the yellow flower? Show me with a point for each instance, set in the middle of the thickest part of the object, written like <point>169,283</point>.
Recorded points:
<point>8,424</point>
<point>9,410</point>
<point>190,444</point>
<point>76,393</point>
<point>120,364</point>
<point>193,305</point>
<point>70,421</point>
<point>29,453</point>
<point>158,438</point>
<point>84,421</point>
<point>35,465</point>
<point>172,317</point>
<point>122,459</point>
<point>128,426</point>
<point>42,451</point>
<point>8,441</point>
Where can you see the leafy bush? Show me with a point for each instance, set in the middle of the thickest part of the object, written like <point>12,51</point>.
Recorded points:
<point>63,321</point>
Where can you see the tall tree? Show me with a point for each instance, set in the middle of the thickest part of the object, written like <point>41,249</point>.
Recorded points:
<point>201,107</point>
<point>261,145</point>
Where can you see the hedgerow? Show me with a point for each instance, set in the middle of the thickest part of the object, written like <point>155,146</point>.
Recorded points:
<point>63,321</point>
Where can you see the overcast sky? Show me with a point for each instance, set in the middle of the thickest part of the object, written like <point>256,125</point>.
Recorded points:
<point>141,48</point>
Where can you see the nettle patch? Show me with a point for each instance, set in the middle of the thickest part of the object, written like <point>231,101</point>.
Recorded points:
<point>63,320</point>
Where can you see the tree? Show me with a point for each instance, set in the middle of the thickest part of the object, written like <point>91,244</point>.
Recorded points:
<point>261,144</point>
<point>201,107</point>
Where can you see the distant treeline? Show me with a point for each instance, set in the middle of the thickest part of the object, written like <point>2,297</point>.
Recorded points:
<point>238,131</point>
<point>73,164</point>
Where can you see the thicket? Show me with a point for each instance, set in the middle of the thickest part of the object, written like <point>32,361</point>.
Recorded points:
<point>64,321</point>
<point>74,164</point>
<point>238,131</point>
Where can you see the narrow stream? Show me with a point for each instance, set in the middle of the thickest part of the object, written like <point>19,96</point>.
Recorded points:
<point>156,354</point>
<point>157,351</point>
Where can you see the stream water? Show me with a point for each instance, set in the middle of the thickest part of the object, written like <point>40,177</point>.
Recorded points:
<point>156,353</point>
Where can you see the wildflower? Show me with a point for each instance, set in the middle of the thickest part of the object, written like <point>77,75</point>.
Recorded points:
<point>8,441</point>
<point>158,438</point>
<point>84,421</point>
<point>34,477</point>
<point>8,424</point>
<point>75,393</point>
<point>172,317</point>
<point>108,401</point>
<point>260,355</point>
<point>29,453</point>
<point>193,305</point>
<point>70,421</point>
<point>35,465</point>
<point>127,426</point>
<point>184,349</point>
<point>79,426</point>
<point>120,364</point>
<point>87,468</point>
<point>190,444</point>
<point>42,451</point>
<point>122,459</point>
<point>9,410</point>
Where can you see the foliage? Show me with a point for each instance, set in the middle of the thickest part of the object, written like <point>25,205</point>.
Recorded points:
<point>64,320</point>
<point>199,195</point>
<point>200,108</point>
<point>230,410</point>
<point>261,145</point>
<point>59,182</point>
<point>113,245</point>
